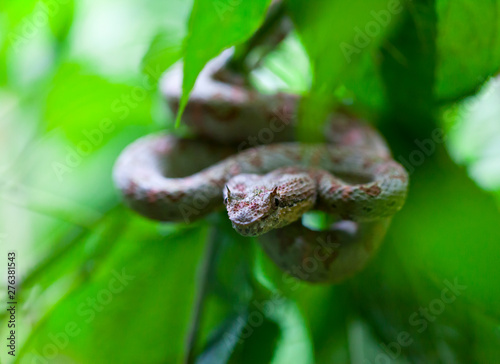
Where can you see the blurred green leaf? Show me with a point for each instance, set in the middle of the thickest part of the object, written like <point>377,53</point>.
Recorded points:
<point>146,281</point>
<point>409,63</point>
<point>27,25</point>
<point>474,135</point>
<point>257,342</point>
<point>467,55</point>
<point>366,89</point>
<point>286,68</point>
<point>17,11</point>
<point>335,34</point>
<point>222,343</point>
<point>295,343</point>
<point>275,332</point>
<point>437,238</point>
<point>60,15</point>
<point>165,49</point>
<point>90,109</point>
<point>214,26</point>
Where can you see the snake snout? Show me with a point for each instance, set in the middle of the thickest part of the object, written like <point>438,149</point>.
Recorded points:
<point>243,218</point>
<point>249,223</point>
<point>252,229</point>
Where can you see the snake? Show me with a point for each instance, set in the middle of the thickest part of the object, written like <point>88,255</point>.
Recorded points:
<point>266,188</point>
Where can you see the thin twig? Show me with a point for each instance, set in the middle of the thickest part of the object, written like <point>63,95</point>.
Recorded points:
<point>203,283</point>
<point>268,28</point>
<point>236,64</point>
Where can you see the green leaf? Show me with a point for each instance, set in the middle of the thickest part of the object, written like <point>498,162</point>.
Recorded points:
<point>165,49</point>
<point>437,239</point>
<point>288,63</point>
<point>409,63</point>
<point>470,54</point>
<point>275,332</point>
<point>214,26</point>
<point>90,109</point>
<point>60,15</point>
<point>295,343</point>
<point>141,283</point>
<point>221,345</point>
<point>365,86</point>
<point>335,34</point>
<point>258,340</point>
<point>474,135</point>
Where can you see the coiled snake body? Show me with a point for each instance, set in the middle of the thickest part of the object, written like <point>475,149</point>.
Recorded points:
<point>267,189</point>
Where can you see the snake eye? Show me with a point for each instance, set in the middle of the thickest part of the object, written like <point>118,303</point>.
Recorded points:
<point>225,200</point>
<point>276,202</point>
<point>274,197</point>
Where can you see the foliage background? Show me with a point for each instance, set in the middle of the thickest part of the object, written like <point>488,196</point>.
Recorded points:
<point>68,65</point>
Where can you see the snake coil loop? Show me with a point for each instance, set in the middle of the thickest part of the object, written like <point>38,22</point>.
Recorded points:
<point>267,188</point>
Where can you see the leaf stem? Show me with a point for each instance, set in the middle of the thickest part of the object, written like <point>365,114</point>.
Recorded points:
<point>206,272</point>
<point>271,33</point>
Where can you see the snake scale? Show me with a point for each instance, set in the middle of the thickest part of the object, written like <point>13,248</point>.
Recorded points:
<point>266,189</point>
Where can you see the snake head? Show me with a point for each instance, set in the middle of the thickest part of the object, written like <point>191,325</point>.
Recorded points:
<point>257,204</point>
